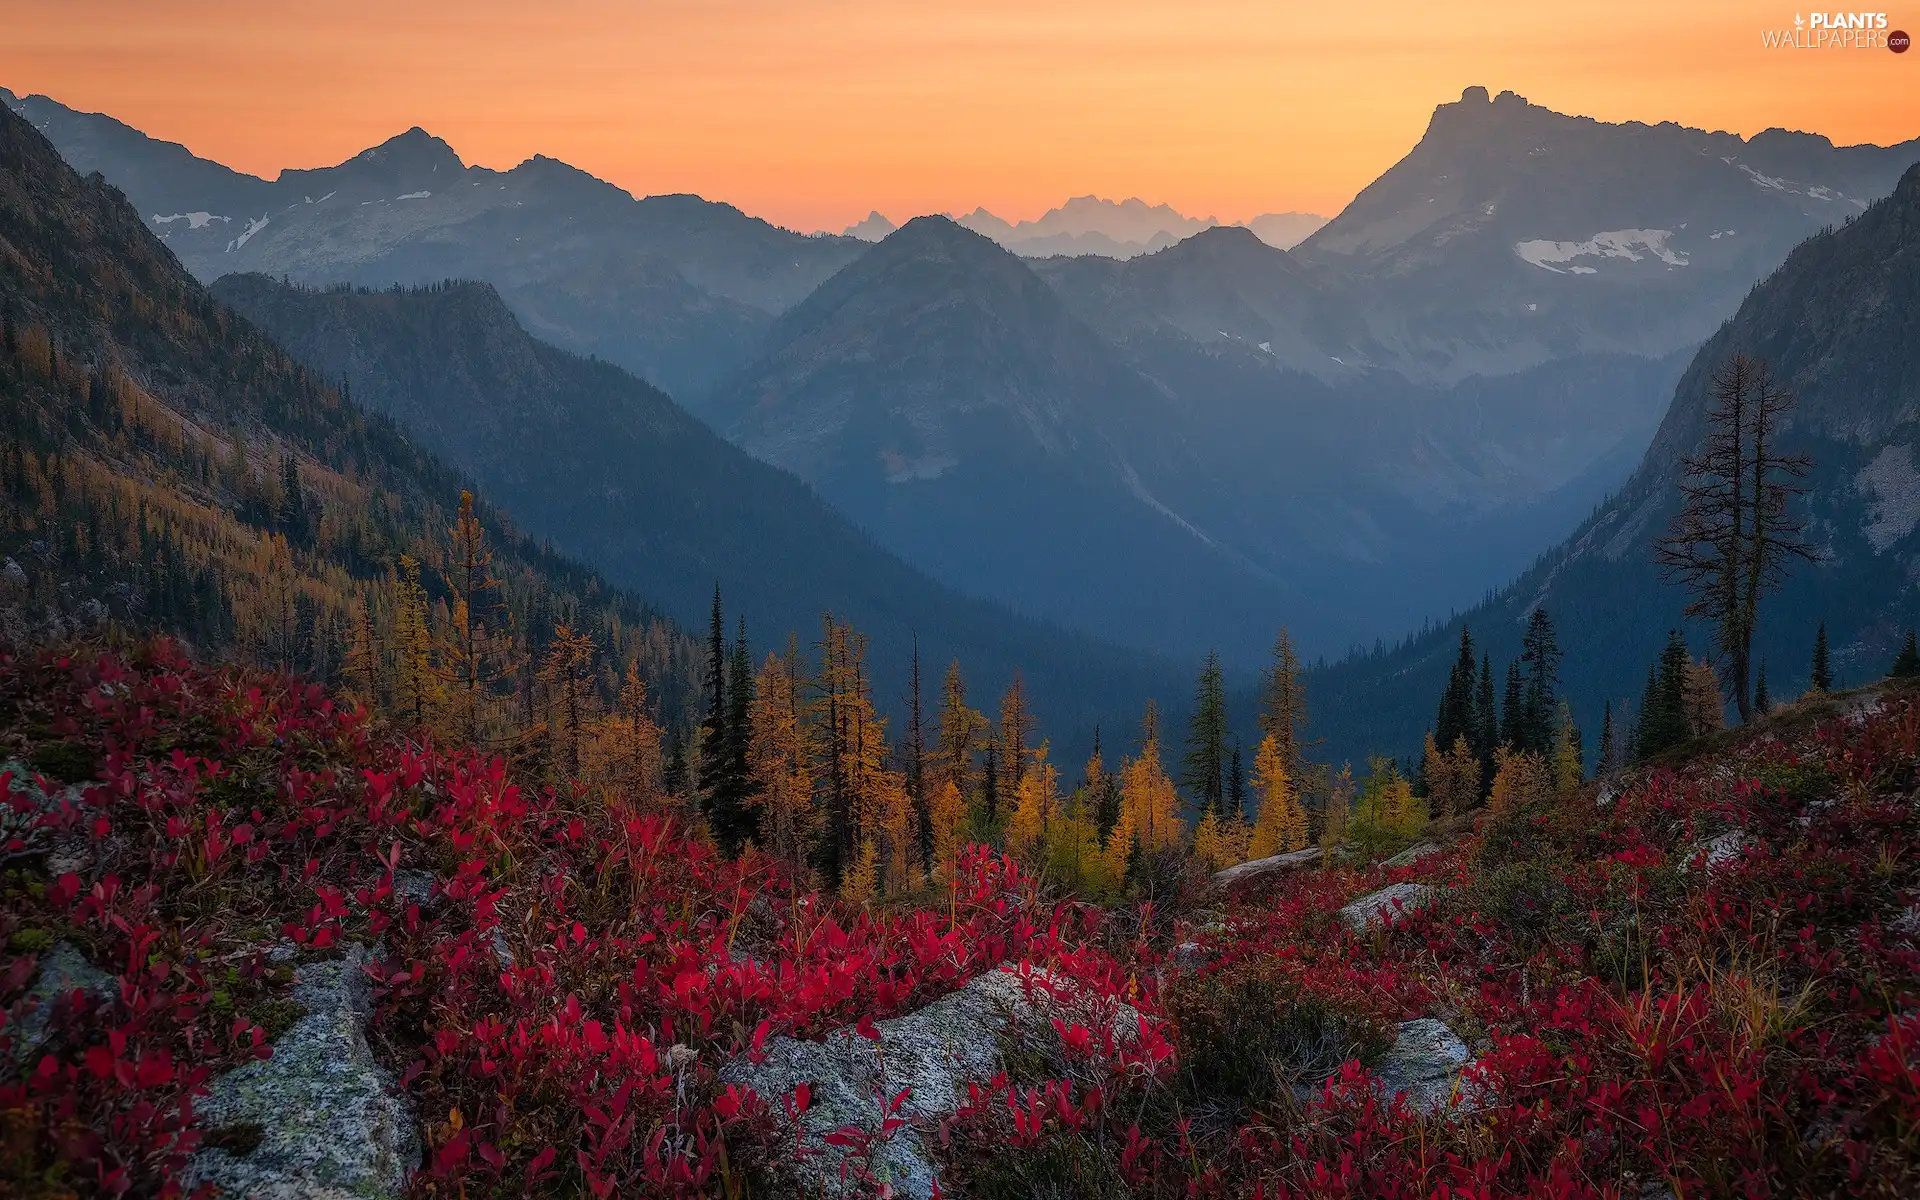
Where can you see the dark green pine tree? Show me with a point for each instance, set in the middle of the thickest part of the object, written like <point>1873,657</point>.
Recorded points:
<point>1604,754</point>
<point>989,782</point>
<point>1663,713</point>
<point>1513,709</point>
<point>1106,792</point>
<point>716,759</point>
<point>1236,785</point>
<point>1205,763</point>
<point>917,765</point>
<point>673,776</point>
<point>1486,723</point>
<point>292,517</point>
<point>1456,716</point>
<point>738,777</point>
<point>1907,664</point>
<point>1822,667</point>
<point>1540,654</point>
<point>1761,701</point>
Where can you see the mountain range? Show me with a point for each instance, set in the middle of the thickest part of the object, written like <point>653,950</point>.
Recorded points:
<point>1180,450</point>
<point>610,470</point>
<point>167,465</point>
<point>1839,322</point>
<point>1108,228</point>
<point>675,288</point>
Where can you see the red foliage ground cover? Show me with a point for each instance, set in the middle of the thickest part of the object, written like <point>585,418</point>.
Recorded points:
<point>1646,1022</point>
<point>558,1008</point>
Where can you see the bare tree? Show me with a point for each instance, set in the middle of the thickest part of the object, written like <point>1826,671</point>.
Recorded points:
<point>1733,538</point>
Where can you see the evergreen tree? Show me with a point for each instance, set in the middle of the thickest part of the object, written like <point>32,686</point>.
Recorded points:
<point>1455,718</point>
<point>713,725</point>
<point>1486,725</point>
<point>1762,701</point>
<point>1204,766</point>
<point>917,764</point>
<point>1604,765</point>
<point>673,778</point>
<point>990,781</point>
<point>1236,786</point>
<point>1283,713</point>
<point>1103,789</point>
<point>1907,663</point>
<point>1822,667</point>
<point>1514,724</point>
<point>1540,652</point>
<point>293,507</point>
<point>1663,714</point>
<point>738,779</point>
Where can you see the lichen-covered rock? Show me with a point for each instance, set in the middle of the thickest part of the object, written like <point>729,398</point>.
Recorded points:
<point>1425,1063</point>
<point>933,1053</point>
<point>1387,907</point>
<point>1263,866</point>
<point>1412,854</point>
<point>414,886</point>
<point>1719,851</point>
<point>331,1124</point>
<point>63,970</point>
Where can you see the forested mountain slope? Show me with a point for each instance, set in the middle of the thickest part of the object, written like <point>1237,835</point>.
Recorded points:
<point>1840,324</point>
<point>167,465</point>
<point>611,470</point>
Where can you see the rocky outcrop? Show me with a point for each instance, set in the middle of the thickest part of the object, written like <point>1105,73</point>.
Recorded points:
<point>1412,854</point>
<point>1718,852</point>
<point>63,971</point>
<point>320,1119</point>
<point>1265,866</point>
<point>1425,1064</point>
<point>1387,907</point>
<point>932,1053</point>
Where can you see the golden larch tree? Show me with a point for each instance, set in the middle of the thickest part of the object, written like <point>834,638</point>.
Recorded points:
<point>1280,823</point>
<point>780,760</point>
<point>416,684</point>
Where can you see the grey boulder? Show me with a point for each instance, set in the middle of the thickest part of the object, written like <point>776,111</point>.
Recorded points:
<point>1387,907</point>
<point>331,1124</point>
<point>932,1053</point>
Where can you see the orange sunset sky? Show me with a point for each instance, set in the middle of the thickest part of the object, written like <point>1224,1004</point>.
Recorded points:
<point>811,112</point>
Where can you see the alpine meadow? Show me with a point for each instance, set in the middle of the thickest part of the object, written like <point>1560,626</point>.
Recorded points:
<point>1038,605</point>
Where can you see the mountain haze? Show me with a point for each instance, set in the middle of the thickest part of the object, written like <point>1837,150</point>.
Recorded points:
<point>938,392</point>
<point>675,288</point>
<point>609,469</point>
<point>1840,323</point>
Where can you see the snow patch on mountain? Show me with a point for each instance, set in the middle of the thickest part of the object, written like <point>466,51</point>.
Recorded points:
<point>254,225</point>
<point>1613,243</point>
<point>1891,487</point>
<point>194,220</point>
<point>414,196</point>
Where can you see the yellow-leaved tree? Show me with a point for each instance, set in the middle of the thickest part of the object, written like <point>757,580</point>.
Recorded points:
<point>947,813</point>
<point>416,685</point>
<point>1520,778</point>
<point>1280,824</point>
<point>1333,822</point>
<point>778,757</point>
<point>1036,809</point>
<point>623,754</point>
<point>1149,819</point>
